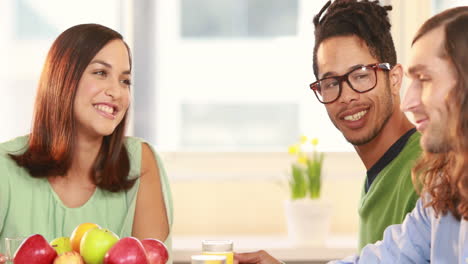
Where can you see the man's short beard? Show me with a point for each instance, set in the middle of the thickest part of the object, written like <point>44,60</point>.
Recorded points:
<point>378,129</point>
<point>372,135</point>
<point>436,135</point>
<point>441,146</point>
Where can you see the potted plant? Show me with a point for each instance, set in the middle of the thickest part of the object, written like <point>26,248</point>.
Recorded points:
<point>307,215</point>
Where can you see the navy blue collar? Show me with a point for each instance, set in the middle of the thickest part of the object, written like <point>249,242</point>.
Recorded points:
<point>389,155</point>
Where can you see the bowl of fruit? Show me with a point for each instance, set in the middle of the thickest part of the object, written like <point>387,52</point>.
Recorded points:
<point>90,244</point>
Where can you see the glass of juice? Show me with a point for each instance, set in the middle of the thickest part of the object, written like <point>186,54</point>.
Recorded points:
<point>219,248</point>
<point>208,259</point>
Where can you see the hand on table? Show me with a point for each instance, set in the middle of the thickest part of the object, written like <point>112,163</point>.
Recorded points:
<point>2,259</point>
<point>258,257</point>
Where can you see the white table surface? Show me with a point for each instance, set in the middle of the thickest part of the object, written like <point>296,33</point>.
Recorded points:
<point>335,247</point>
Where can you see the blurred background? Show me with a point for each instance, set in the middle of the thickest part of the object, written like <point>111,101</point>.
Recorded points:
<point>221,89</point>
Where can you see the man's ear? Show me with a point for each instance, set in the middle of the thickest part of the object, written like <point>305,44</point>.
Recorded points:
<point>396,77</point>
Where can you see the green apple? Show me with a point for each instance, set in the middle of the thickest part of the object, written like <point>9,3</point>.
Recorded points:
<point>95,244</point>
<point>61,245</point>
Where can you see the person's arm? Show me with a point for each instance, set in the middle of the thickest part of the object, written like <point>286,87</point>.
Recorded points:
<point>4,197</point>
<point>150,219</point>
<point>409,242</point>
<point>258,257</point>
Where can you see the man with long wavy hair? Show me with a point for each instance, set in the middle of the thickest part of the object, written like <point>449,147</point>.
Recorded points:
<point>436,231</point>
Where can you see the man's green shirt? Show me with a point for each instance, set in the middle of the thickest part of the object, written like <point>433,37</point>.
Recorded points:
<point>391,194</point>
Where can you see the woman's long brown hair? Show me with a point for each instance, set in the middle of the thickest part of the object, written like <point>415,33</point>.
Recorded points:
<point>52,140</point>
<point>444,176</point>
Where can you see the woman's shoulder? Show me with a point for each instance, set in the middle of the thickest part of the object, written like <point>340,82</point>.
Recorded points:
<point>133,146</point>
<point>134,143</point>
<point>8,167</point>
<point>14,146</point>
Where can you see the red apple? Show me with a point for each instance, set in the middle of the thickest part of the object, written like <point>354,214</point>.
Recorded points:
<point>35,250</point>
<point>155,250</point>
<point>128,250</point>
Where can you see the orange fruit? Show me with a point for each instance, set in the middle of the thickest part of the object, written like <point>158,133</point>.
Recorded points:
<point>78,233</point>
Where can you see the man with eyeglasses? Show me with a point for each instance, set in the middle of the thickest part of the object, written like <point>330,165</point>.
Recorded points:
<point>359,81</point>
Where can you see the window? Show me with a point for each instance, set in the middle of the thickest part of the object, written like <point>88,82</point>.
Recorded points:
<point>238,125</point>
<point>238,18</point>
<point>31,24</point>
<point>28,29</point>
<point>232,76</point>
<point>440,5</point>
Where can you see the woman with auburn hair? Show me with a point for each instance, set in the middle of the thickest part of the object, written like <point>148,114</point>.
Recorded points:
<point>436,231</point>
<point>76,165</point>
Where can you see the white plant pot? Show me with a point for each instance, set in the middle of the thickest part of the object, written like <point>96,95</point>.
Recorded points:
<point>308,222</point>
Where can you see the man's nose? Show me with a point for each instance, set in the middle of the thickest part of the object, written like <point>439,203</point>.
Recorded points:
<point>347,93</point>
<point>412,98</point>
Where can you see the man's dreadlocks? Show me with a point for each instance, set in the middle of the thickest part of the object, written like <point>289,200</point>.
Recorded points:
<point>365,19</point>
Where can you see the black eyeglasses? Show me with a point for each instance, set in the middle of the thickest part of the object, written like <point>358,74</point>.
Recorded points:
<point>361,79</point>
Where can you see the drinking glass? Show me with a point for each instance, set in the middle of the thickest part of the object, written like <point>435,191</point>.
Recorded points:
<point>208,259</point>
<point>219,248</point>
<point>11,245</point>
